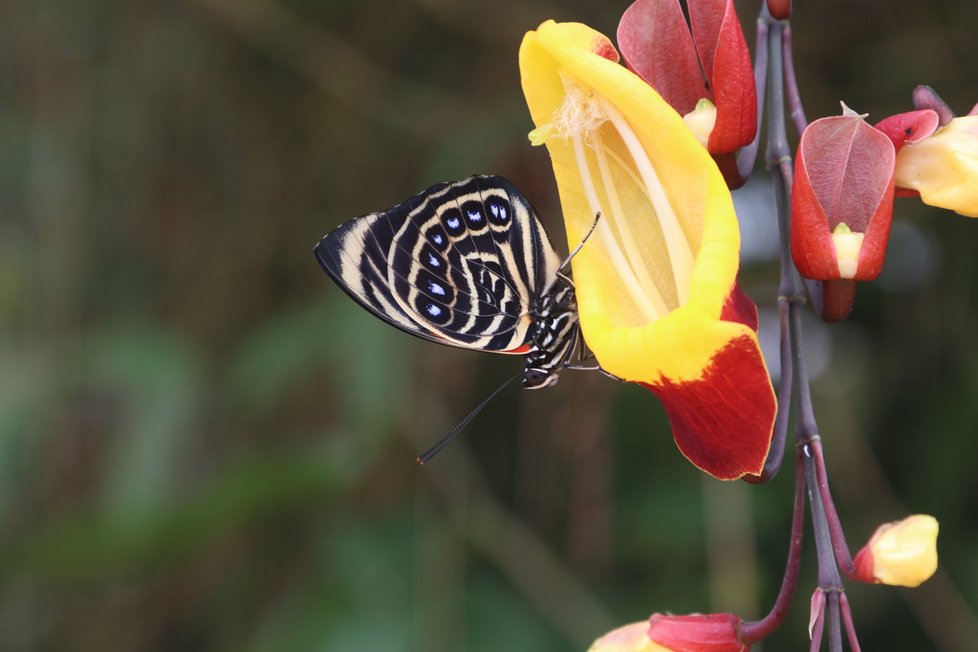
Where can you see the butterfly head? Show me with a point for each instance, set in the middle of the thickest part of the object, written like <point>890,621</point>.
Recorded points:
<point>536,378</point>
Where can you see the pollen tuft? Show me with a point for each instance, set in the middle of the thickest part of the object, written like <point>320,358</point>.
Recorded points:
<point>579,114</point>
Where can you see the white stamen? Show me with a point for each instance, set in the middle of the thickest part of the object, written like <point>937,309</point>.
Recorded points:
<point>680,253</point>
<point>621,222</point>
<point>607,237</point>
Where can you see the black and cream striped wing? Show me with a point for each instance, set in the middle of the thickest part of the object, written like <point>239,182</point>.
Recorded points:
<point>460,264</point>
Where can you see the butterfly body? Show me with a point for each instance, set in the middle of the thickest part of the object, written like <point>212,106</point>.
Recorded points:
<point>465,264</point>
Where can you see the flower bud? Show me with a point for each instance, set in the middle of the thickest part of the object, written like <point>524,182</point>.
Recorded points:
<point>627,638</point>
<point>780,9</point>
<point>841,207</point>
<point>842,202</point>
<point>902,553</point>
<point>698,633</point>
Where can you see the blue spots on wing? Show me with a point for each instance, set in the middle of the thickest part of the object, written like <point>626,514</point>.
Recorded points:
<point>435,287</point>
<point>434,311</point>
<point>451,220</point>
<point>498,211</point>
<point>475,219</point>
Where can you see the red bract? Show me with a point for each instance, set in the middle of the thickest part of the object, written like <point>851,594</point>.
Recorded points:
<point>673,58</point>
<point>841,206</point>
<point>908,128</point>
<point>697,633</point>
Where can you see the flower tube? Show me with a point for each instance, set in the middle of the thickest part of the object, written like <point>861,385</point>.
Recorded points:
<point>656,281</point>
<point>697,632</point>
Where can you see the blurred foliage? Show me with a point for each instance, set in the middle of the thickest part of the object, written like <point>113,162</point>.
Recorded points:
<point>204,445</point>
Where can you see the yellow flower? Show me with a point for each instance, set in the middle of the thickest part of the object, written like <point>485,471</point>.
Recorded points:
<point>943,168</point>
<point>656,281</point>
<point>627,638</point>
<point>902,553</point>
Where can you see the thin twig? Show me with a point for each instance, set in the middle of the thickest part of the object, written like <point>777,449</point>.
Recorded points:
<point>752,632</point>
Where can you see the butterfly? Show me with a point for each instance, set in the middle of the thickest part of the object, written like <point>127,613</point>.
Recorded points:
<point>466,264</point>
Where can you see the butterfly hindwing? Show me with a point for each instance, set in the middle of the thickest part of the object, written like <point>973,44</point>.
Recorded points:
<point>458,264</point>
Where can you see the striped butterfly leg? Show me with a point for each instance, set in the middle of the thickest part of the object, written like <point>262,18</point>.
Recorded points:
<point>567,261</point>
<point>586,361</point>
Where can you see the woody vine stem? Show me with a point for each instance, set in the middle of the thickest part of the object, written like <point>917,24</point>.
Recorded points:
<point>775,78</point>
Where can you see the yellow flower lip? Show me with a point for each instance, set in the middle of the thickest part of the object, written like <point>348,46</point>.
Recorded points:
<point>943,167</point>
<point>654,278</point>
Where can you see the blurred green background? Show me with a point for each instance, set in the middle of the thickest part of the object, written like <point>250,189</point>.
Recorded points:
<point>205,445</point>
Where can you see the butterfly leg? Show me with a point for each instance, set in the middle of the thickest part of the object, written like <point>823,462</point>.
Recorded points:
<point>582,365</point>
<point>587,235</point>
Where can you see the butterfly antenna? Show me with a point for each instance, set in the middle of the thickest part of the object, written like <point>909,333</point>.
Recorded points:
<point>587,235</point>
<point>426,456</point>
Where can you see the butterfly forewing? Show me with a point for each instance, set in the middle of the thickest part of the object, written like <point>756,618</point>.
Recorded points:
<point>460,263</point>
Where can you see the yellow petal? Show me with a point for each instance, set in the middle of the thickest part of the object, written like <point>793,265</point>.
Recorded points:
<point>943,168</point>
<point>665,253</point>
<point>627,638</point>
<point>655,277</point>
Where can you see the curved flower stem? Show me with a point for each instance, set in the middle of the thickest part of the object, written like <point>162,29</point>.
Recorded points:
<point>829,580</point>
<point>754,631</point>
<point>835,629</point>
<point>747,156</point>
<point>791,84</point>
<point>842,554</point>
<point>847,622</point>
<point>825,523</point>
<point>785,390</point>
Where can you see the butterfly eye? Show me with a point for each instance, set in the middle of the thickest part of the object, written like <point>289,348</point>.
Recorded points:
<point>537,378</point>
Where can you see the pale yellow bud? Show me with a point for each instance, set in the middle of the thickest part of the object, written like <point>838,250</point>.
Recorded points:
<point>903,553</point>
<point>627,638</point>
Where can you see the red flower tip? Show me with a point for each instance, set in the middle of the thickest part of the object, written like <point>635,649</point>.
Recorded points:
<point>673,58</point>
<point>909,128</point>
<point>838,297</point>
<point>697,633</point>
<point>780,9</point>
<point>842,201</point>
